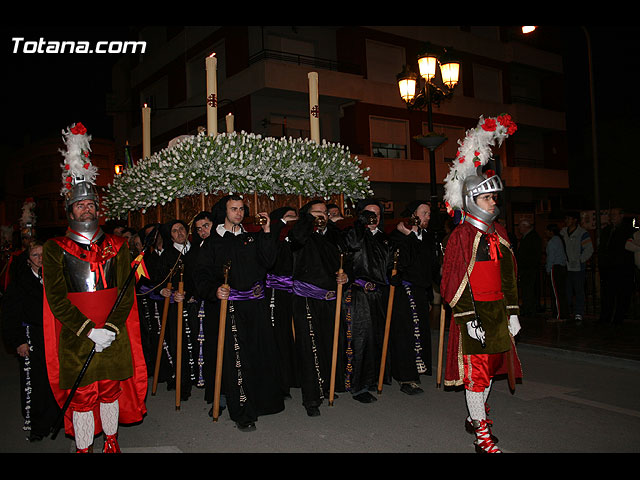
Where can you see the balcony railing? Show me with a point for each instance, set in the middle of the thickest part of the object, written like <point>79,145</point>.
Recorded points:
<point>314,62</point>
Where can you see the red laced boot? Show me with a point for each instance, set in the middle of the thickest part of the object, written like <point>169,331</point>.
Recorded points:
<point>89,449</point>
<point>468,426</point>
<point>484,443</point>
<point>111,444</point>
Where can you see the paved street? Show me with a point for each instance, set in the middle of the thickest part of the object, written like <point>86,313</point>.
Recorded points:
<point>568,402</point>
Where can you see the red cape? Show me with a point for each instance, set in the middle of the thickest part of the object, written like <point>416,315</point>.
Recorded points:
<point>453,274</point>
<point>134,389</point>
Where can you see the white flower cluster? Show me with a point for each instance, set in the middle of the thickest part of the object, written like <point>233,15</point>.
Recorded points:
<point>241,163</point>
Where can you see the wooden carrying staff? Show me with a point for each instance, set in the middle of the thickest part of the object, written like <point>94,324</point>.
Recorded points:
<point>511,374</point>
<point>387,327</point>
<point>221,331</point>
<point>163,327</point>
<point>336,333</point>
<point>440,344</point>
<point>179,338</point>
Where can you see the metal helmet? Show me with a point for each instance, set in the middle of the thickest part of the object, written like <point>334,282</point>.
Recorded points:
<point>87,230</point>
<point>473,186</point>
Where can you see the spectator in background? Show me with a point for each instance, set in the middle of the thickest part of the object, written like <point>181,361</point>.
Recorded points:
<point>616,268</point>
<point>579,248</point>
<point>529,255</point>
<point>556,267</point>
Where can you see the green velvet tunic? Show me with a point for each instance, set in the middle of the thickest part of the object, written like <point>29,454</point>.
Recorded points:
<point>493,315</point>
<point>113,363</point>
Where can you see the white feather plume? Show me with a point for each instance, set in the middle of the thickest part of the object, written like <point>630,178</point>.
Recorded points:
<point>28,213</point>
<point>474,151</point>
<point>77,166</point>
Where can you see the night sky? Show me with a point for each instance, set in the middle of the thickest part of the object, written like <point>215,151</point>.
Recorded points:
<point>42,94</point>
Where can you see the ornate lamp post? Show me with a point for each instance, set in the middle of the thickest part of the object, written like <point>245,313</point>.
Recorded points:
<point>432,86</point>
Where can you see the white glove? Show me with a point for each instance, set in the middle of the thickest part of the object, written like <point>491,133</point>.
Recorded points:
<point>475,331</point>
<point>102,338</point>
<point>514,325</point>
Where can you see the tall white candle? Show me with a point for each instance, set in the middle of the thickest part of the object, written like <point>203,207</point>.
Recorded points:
<point>146,131</point>
<point>314,108</point>
<point>229,119</point>
<point>212,95</point>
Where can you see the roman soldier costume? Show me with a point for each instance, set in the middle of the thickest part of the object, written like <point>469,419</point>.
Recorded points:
<point>479,281</point>
<point>82,274</point>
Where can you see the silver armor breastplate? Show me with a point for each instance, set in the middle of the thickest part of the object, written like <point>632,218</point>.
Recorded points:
<point>80,278</point>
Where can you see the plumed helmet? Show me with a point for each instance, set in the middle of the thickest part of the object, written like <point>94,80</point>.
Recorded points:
<point>465,180</point>
<point>472,187</point>
<point>78,177</point>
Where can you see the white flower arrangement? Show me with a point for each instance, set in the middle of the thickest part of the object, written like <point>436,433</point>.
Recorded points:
<point>242,163</point>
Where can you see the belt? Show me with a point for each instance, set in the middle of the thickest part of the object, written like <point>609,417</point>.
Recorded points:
<point>255,293</point>
<point>367,285</point>
<point>279,282</point>
<point>304,289</point>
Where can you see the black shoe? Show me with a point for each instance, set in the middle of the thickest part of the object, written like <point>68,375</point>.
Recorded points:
<point>35,437</point>
<point>410,388</point>
<point>220,410</point>
<point>313,411</point>
<point>171,384</point>
<point>246,427</point>
<point>365,397</point>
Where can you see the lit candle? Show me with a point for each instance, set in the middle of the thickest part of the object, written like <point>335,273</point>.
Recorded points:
<point>314,109</point>
<point>212,95</point>
<point>229,119</point>
<point>146,131</point>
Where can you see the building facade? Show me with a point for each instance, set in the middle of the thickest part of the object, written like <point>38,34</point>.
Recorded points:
<point>262,81</point>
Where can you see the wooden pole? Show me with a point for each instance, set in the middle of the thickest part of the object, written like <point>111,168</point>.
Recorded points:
<point>336,333</point>
<point>163,326</point>
<point>440,344</point>
<point>220,353</point>
<point>179,340</point>
<point>387,327</point>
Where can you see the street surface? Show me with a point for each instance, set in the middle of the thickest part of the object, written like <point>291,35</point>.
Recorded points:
<point>568,402</point>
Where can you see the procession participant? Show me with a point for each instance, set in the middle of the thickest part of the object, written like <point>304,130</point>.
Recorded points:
<point>177,264</point>
<point>316,244</point>
<point>479,281</point>
<point>251,378</point>
<point>366,298</point>
<point>150,304</point>
<point>279,284</point>
<point>23,334</point>
<point>418,271</point>
<point>201,230</point>
<point>82,275</point>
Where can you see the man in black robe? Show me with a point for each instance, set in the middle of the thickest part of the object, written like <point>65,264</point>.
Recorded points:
<point>316,244</point>
<point>418,270</point>
<point>366,299</point>
<point>251,380</point>
<point>177,264</point>
<point>279,289</point>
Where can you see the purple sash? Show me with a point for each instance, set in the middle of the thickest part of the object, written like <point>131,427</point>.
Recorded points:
<point>256,293</point>
<point>144,289</point>
<point>304,289</point>
<point>280,282</point>
<point>366,285</point>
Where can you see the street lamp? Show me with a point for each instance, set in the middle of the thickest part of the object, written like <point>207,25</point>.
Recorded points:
<point>433,85</point>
